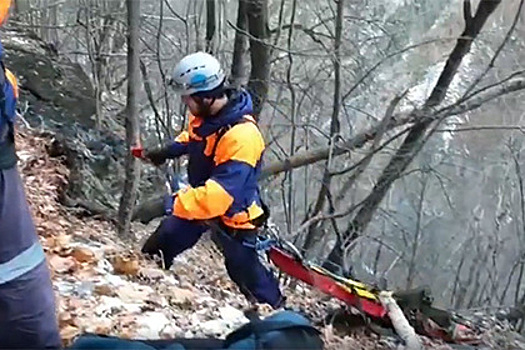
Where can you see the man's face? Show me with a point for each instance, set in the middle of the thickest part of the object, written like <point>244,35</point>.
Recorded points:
<point>201,109</point>
<point>192,105</point>
<point>197,109</point>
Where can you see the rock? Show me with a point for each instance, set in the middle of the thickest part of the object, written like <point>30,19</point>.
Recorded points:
<point>171,331</point>
<point>53,85</point>
<point>151,273</point>
<point>214,327</point>
<point>109,305</point>
<point>130,294</point>
<point>181,296</point>
<point>85,289</point>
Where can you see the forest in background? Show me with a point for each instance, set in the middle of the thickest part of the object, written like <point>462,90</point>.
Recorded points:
<point>393,149</point>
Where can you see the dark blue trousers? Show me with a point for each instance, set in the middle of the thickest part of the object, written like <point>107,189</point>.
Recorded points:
<point>175,235</point>
<point>27,305</point>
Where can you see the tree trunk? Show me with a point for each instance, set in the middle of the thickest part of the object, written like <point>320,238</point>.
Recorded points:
<point>335,128</point>
<point>211,25</point>
<point>416,137</point>
<point>127,201</point>
<point>240,46</point>
<point>290,208</point>
<point>417,237</point>
<point>257,16</point>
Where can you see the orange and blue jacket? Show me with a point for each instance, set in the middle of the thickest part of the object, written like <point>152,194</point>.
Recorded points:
<point>222,175</point>
<point>8,98</point>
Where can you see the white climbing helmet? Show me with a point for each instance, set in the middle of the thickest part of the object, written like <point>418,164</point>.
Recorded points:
<point>197,72</point>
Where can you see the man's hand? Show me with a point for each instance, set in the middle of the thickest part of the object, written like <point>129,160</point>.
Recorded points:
<point>157,156</point>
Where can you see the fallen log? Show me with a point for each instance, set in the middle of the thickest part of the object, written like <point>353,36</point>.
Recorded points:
<point>399,322</point>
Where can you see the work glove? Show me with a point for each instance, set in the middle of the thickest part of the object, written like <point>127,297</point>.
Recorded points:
<point>157,156</point>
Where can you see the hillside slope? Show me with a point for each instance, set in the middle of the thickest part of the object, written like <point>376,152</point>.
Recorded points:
<point>103,285</point>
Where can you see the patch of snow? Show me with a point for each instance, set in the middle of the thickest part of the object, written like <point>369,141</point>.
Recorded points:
<point>233,316</point>
<point>151,324</point>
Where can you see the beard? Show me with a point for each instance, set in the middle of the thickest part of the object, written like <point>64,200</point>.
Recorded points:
<point>202,110</point>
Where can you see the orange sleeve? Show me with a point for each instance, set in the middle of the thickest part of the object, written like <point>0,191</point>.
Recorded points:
<point>4,10</point>
<point>203,202</point>
<point>184,137</point>
<point>243,143</point>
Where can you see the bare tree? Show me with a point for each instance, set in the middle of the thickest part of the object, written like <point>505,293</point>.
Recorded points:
<point>418,133</point>
<point>335,127</point>
<point>129,191</point>
<point>257,17</point>
<point>211,25</point>
<point>239,47</point>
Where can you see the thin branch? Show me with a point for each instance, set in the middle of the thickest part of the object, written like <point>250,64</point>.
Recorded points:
<point>276,47</point>
<point>520,128</point>
<point>503,88</point>
<point>149,94</point>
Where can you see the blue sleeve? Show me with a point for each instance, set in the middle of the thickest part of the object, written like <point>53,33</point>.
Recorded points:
<point>234,177</point>
<point>177,149</point>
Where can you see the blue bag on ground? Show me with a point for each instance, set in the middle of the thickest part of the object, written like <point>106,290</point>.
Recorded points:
<point>103,342</point>
<point>283,330</point>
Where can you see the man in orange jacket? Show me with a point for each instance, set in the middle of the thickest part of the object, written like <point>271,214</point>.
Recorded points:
<point>27,305</point>
<point>225,149</point>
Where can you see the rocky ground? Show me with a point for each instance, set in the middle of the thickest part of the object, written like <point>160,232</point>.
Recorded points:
<point>104,286</point>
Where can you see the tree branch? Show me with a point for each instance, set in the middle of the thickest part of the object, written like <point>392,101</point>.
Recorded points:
<point>313,156</point>
<point>498,51</point>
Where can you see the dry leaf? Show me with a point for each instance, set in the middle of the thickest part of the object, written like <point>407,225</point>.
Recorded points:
<point>104,290</point>
<point>68,333</point>
<point>83,255</point>
<point>50,242</point>
<point>62,265</point>
<point>126,265</point>
<point>65,319</point>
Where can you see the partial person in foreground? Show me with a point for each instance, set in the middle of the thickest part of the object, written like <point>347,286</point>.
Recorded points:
<point>27,305</point>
